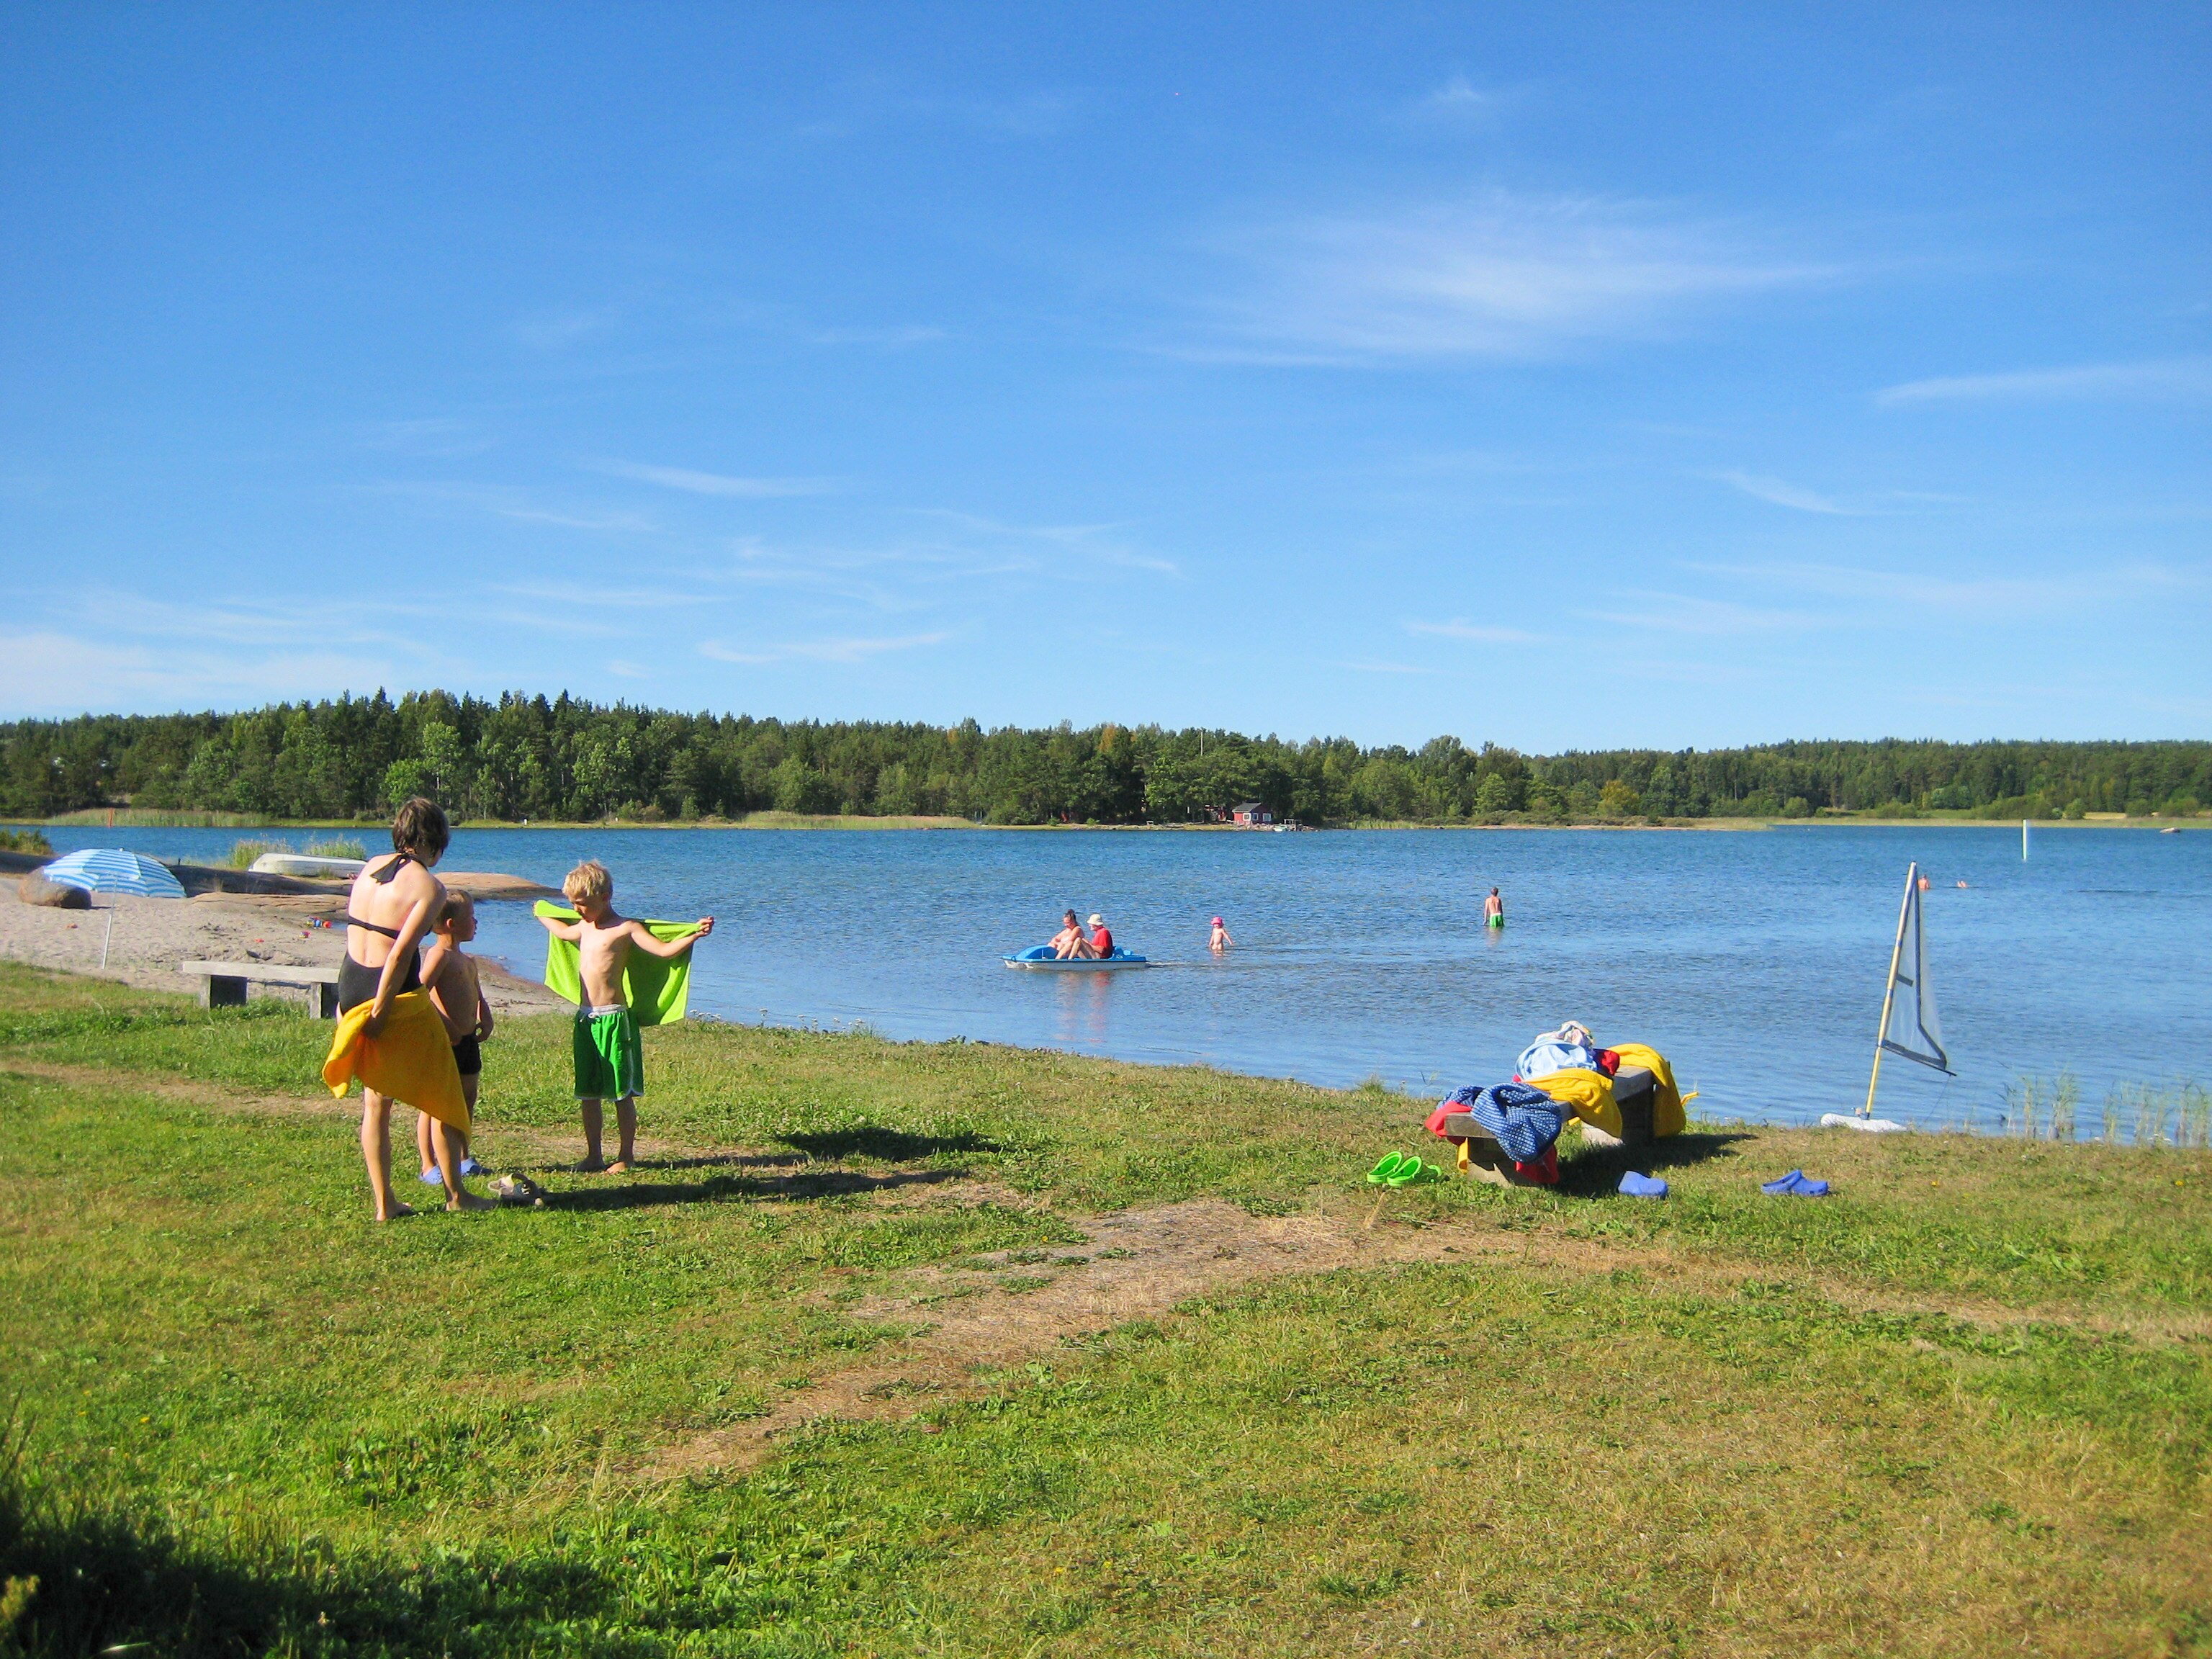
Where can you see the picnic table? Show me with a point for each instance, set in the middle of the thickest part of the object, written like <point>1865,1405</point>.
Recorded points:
<point>1481,1157</point>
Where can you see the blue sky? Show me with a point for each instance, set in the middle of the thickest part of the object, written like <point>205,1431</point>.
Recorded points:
<point>1564,377</point>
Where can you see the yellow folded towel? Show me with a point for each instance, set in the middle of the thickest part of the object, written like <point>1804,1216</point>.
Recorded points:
<point>1590,1094</point>
<point>1668,1117</point>
<point>411,1060</point>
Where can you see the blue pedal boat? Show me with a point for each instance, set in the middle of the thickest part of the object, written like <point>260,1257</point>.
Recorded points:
<point>1041,956</point>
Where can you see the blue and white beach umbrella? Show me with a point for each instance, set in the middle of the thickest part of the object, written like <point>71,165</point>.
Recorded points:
<point>111,870</point>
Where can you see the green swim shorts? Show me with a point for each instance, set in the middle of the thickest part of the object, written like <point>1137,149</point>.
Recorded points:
<point>610,1057</point>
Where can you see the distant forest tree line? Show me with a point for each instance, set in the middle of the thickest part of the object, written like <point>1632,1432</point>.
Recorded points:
<point>563,758</point>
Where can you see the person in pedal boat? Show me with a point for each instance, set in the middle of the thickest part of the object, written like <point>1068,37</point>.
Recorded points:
<point>1102,936</point>
<point>1069,942</point>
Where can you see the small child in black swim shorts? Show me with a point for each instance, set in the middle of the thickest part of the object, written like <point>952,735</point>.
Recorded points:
<point>450,974</point>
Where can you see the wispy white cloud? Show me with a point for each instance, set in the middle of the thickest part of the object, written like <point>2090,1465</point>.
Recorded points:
<point>438,436</point>
<point>1900,593</point>
<point>714,483</point>
<point>52,672</point>
<point>894,336</point>
<point>1458,97</point>
<point>557,327</point>
<point>1684,613</point>
<point>1478,632</point>
<point>1491,275</point>
<point>1781,494</point>
<point>1040,114</point>
<point>2188,378</point>
<point>525,507</point>
<point>1387,668</point>
<point>569,597</point>
<point>1098,543</point>
<point>828,651</point>
<point>1458,106</point>
<point>402,627</point>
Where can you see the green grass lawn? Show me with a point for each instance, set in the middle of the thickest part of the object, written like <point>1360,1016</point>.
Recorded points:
<point>1963,1406</point>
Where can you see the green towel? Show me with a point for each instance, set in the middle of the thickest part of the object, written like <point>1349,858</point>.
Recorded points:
<point>658,990</point>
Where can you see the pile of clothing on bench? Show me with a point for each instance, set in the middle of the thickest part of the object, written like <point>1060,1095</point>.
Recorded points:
<point>1563,1077</point>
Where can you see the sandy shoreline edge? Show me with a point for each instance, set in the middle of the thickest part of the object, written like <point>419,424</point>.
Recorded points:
<point>152,936</point>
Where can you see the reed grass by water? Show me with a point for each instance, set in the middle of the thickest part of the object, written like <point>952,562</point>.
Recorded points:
<point>244,853</point>
<point>2176,1113</point>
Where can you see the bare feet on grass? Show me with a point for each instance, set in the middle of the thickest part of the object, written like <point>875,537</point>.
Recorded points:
<point>620,1166</point>
<point>465,1200</point>
<point>591,1166</point>
<point>396,1211</point>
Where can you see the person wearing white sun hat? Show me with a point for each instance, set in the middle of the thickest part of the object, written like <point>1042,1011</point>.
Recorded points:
<point>1102,938</point>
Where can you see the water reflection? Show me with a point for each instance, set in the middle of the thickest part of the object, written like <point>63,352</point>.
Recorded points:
<point>1081,1006</point>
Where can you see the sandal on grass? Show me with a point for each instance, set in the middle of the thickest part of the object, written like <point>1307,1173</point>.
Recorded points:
<point>1390,1165</point>
<point>1414,1172</point>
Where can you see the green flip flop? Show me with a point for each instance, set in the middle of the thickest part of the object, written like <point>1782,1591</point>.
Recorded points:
<point>1384,1173</point>
<point>1412,1172</point>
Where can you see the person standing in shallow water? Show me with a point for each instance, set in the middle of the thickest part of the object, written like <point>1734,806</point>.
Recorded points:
<point>394,902</point>
<point>1494,910</point>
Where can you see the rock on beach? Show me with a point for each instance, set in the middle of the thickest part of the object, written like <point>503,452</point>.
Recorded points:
<point>35,888</point>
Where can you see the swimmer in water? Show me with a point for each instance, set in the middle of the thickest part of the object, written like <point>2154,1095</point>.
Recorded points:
<point>1494,910</point>
<point>1219,940</point>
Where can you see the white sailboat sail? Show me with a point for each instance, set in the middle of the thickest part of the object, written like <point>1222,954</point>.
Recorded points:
<point>1914,1029</point>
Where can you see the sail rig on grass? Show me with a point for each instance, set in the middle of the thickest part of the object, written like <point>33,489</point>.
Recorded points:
<point>1911,1028</point>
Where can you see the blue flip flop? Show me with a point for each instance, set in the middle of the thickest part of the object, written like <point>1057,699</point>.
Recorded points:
<point>1641,1186</point>
<point>431,1178</point>
<point>1795,1185</point>
<point>470,1167</point>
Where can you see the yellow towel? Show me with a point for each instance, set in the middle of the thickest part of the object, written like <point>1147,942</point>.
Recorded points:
<point>1590,1093</point>
<point>411,1060</point>
<point>1668,1117</point>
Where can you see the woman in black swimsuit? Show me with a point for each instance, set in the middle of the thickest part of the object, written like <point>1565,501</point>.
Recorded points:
<point>393,903</point>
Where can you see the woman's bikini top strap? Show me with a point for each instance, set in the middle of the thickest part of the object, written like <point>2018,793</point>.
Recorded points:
<point>382,878</point>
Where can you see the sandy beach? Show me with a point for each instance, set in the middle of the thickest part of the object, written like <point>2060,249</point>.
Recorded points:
<point>153,936</point>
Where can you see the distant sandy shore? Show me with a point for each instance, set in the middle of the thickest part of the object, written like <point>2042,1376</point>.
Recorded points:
<point>151,937</point>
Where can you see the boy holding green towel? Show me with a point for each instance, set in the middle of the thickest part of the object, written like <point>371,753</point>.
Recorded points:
<point>609,1053</point>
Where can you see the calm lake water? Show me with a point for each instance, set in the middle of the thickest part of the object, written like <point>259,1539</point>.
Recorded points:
<point>1753,960</point>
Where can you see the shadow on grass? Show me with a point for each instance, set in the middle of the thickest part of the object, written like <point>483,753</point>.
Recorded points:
<point>1596,1173</point>
<point>723,1189</point>
<point>725,1160</point>
<point>888,1146</point>
<point>107,1583</point>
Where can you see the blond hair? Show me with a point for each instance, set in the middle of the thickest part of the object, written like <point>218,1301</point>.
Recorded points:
<point>589,881</point>
<point>458,904</point>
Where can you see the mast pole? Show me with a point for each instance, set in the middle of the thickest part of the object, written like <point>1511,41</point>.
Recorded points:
<point>1889,990</point>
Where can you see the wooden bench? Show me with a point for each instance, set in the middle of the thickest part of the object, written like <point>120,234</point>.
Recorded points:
<point>223,984</point>
<point>1481,1157</point>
